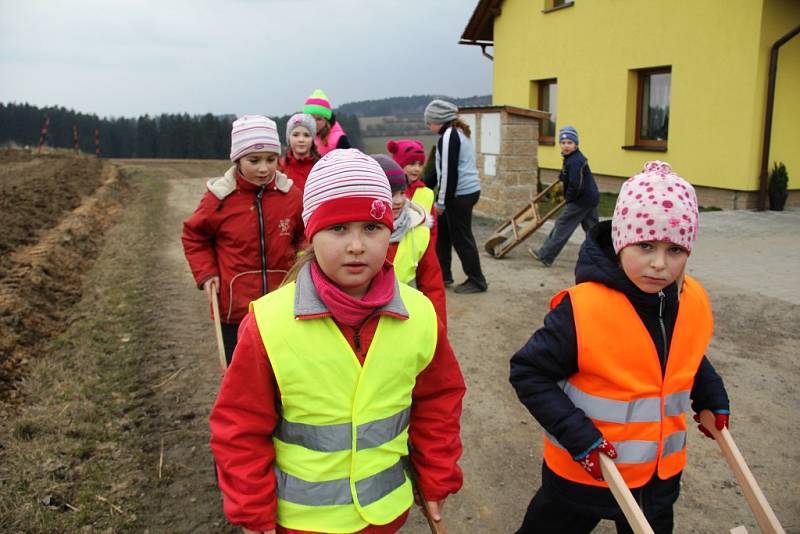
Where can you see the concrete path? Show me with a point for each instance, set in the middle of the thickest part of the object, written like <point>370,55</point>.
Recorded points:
<point>756,251</point>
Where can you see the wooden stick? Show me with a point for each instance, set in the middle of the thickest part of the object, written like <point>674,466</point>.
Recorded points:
<point>624,497</point>
<point>765,517</point>
<point>223,362</point>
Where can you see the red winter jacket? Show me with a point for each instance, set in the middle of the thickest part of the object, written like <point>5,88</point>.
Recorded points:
<point>223,238</point>
<point>248,406</point>
<point>297,168</point>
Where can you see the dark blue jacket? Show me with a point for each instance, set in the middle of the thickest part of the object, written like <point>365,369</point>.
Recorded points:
<point>551,354</point>
<point>579,185</point>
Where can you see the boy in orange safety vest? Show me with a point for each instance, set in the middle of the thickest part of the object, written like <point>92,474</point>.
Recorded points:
<point>619,360</point>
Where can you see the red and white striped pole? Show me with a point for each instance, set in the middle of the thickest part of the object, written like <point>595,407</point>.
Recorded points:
<point>75,144</point>
<point>43,136</point>
<point>97,142</point>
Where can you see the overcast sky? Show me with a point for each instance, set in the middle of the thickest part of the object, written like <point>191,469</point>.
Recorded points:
<point>128,58</point>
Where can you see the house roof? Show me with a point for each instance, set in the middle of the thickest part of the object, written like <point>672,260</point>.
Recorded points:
<point>480,28</point>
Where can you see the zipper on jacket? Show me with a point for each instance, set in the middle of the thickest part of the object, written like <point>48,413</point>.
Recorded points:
<point>262,245</point>
<point>661,299</point>
<point>357,341</point>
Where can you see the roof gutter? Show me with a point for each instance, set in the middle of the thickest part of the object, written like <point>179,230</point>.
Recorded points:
<point>773,73</point>
<point>482,44</point>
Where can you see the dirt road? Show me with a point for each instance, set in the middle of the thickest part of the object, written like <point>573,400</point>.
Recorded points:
<point>755,349</point>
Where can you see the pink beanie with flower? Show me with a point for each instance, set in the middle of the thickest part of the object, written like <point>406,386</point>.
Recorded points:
<point>655,205</point>
<point>344,186</point>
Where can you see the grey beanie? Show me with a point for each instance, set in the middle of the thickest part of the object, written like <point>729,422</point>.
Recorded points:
<point>301,119</point>
<point>440,112</point>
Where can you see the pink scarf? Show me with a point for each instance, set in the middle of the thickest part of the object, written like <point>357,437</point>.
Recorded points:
<point>349,310</point>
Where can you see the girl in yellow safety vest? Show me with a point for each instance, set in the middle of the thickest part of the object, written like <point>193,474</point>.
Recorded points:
<point>410,155</point>
<point>411,246</point>
<point>620,360</point>
<point>340,378</point>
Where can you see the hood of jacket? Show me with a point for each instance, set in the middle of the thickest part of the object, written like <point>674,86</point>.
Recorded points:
<point>597,262</point>
<point>224,185</point>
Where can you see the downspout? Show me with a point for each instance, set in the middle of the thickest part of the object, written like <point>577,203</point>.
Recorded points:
<point>773,72</point>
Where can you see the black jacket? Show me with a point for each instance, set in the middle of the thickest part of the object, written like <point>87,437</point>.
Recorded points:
<point>579,185</point>
<point>551,354</point>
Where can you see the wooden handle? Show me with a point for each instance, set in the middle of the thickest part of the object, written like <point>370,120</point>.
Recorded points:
<point>765,517</point>
<point>624,497</point>
<point>437,527</point>
<point>223,363</point>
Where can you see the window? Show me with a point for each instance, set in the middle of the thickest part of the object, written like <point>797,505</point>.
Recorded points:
<point>652,107</point>
<point>548,99</point>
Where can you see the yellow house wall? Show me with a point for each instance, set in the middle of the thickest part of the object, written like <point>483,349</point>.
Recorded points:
<point>715,49</point>
<point>780,16</point>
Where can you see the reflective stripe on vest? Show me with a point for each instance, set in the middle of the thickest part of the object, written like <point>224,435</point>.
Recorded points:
<point>333,492</point>
<point>344,428</point>
<point>620,385</point>
<point>330,438</point>
<point>645,410</point>
<point>409,253</point>
<point>424,197</point>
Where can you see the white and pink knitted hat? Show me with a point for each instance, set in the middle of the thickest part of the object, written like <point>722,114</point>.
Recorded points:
<point>655,205</point>
<point>346,185</point>
<point>254,133</point>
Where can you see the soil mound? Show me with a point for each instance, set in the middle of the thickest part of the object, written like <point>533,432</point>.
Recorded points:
<point>53,212</point>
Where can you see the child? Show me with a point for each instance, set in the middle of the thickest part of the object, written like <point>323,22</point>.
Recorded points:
<point>410,155</point>
<point>617,361</point>
<point>244,235</point>
<point>330,134</point>
<point>411,247</point>
<point>459,191</point>
<point>301,152</point>
<point>335,372</point>
<point>580,191</point>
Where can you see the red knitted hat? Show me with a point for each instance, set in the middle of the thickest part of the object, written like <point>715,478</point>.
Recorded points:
<point>346,186</point>
<point>406,151</point>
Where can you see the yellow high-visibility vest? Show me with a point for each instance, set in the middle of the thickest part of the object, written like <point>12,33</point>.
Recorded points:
<point>409,253</point>
<point>343,433</point>
<point>424,197</point>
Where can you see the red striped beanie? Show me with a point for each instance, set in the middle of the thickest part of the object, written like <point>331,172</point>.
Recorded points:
<point>254,133</point>
<point>344,186</point>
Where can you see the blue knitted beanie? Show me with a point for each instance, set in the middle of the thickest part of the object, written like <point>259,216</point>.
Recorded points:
<point>568,132</point>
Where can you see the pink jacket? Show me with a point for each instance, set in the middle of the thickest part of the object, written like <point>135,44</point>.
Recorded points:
<point>334,135</point>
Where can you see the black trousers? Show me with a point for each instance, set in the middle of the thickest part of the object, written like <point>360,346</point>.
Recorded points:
<point>230,335</point>
<point>548,514</point>
<point>455,231</point>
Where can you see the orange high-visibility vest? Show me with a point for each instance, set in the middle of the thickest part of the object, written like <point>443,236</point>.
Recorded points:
<point>620,387</point>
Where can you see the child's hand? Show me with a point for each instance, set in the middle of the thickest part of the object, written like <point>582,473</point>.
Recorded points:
<point>721,420</point>
<point>436,509</point>
<point>591,462</point>
<point>214,280</point>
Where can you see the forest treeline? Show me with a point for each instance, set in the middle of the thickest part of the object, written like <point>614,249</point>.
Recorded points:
<point>406,105</point>
<point>169,135</point>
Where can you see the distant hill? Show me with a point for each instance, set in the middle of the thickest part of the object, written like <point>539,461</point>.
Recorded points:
<point>399,106</point>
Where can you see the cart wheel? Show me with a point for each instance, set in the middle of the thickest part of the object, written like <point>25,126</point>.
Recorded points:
<point>492,243</point>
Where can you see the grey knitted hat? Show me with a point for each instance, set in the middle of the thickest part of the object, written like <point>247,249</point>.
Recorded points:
<point>301,119</point>
<point>440,112</point>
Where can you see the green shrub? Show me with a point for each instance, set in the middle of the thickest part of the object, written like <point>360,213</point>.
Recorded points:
<point>778,178</point>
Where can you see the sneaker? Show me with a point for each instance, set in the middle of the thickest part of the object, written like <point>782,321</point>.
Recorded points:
<point>469,287</point>
<point>448,282</point>
<point>536,257</point>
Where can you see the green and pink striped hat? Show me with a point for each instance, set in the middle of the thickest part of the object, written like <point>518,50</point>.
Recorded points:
<point>318,104</point>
